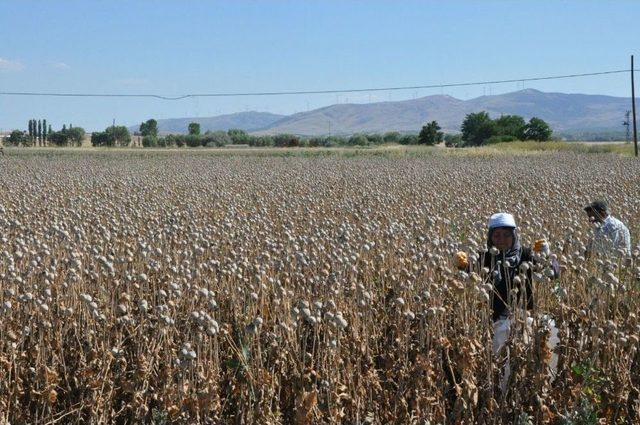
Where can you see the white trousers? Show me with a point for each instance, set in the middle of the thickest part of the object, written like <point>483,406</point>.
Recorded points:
<point>501,332</point>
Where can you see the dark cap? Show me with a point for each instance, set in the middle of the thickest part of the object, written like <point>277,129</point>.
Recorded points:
<point>598,205</point>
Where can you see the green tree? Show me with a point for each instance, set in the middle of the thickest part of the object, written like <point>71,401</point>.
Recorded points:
<point>75,135</point>
<point>537,129</point>
<point>264,141</point>
<point>44,132</point>
<point>409,139</point>
<point>59,138</point>
<point>477,128</point>
<point>430,134</point>
<point>149,128</point>
<point>49,131</point>
<point>238,136</point>
<point>286,141</point>
<point>510,125</point>
<point>34,132</point>
<point>193,140</point>
<point>168,141</point>
<point>101,138</point>
<point>216,139</point>
<point>315,142</point>
<point>112,136</point>
<point>30,129</point>
<point>149,141</point>
<point>358,140</point>
<point>40,132</point>
<point>120,135</point>
<point>17,138</point>
<point>392,137</point>
<point>252,140</point>
<point>180,140</point>
<point>194,129</point>
<point>375,139</point>
<point>332,141</point>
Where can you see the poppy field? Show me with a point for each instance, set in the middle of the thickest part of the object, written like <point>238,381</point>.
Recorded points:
<point>188,287</point>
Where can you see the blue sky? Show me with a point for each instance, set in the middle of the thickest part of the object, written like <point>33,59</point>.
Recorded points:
<point>181,47</point>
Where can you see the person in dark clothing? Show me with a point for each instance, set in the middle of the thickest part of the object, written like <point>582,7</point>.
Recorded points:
<point>509,265</point>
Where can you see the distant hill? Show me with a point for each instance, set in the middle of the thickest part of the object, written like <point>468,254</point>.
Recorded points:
<point>564,112</point>
<point>248,121</point>
<point>408,115</point>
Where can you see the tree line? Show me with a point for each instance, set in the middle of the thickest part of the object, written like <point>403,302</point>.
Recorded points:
<point>195,138</point>
<point>40,134</point>
<point>477,129</point>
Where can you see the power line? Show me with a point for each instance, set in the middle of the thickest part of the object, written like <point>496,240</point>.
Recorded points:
<point>303,92</point>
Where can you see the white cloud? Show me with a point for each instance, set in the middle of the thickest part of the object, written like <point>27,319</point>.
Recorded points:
<point>60,65</point>
<point>10,65</point>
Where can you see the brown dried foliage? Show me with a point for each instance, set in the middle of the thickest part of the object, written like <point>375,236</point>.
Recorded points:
<point>187,288</point>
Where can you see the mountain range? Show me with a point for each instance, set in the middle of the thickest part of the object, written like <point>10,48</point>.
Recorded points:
<point>248,121</point>
<point>564,112</point>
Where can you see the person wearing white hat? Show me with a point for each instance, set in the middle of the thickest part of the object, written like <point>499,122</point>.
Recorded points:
<point>509,266</point>
<point>502,220</point>
<point>504,259</point>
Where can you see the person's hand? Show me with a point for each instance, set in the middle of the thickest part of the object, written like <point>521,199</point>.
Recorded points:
<point>541,246</point>
<point>462,261</point>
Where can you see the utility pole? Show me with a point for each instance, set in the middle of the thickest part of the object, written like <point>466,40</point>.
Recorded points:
<point>633,108</point>
<point>626,124</point>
